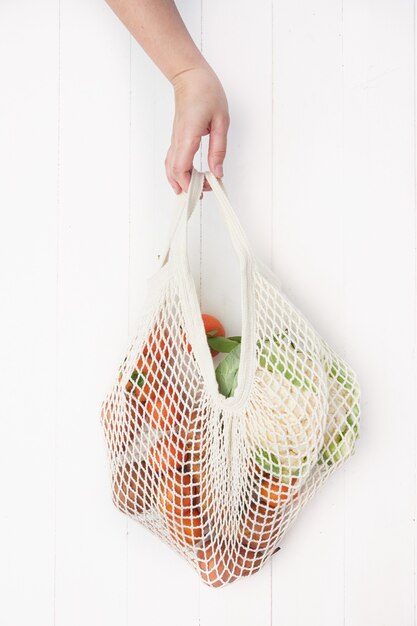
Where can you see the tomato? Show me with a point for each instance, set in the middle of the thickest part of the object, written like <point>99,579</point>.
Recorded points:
<point>157,345</point>
<point>213,328</point>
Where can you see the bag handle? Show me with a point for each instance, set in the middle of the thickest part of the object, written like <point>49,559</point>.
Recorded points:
<point>177,250</point>
<point>187,201</point>
<point>237,234</point>
<point>177,241</point>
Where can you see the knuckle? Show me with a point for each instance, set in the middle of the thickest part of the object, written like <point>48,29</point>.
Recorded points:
<point>176,169</point>
<point>222,123</point>
<point>218,153</point>
<point>186,141</point>
<point>193,140</point>
<point>173,184</point>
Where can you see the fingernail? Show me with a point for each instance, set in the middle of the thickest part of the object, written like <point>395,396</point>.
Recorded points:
<point>218,171</point>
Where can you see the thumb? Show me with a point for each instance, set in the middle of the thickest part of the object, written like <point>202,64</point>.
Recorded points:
<point>217,147</point>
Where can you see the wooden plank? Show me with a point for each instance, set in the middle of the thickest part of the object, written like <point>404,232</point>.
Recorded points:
<point>239,48</point>
<point>86,207</point>
<point>91,560</point>
<point>378,206</point>
<point>28,253</point>
<point>308,573</point>
<point>160,584</point>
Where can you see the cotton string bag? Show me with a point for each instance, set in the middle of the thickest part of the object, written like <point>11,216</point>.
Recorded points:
<point>217,466</point>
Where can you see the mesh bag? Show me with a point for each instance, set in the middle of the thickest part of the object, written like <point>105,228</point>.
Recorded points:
<point>219,462</point>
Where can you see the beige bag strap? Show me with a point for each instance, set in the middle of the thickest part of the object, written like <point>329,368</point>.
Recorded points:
<point>178,255</point>
<point>187,201</point>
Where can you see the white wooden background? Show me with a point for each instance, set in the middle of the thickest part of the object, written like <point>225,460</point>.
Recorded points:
<point>321,169</point>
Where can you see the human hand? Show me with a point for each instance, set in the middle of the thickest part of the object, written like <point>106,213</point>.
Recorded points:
<point>200,109</point>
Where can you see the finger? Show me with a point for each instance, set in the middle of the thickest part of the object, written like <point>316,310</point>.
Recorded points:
<point>218,145</point>
<point>171,181</point>
<point>174,185</point>
<point>206,185</point>
<point>182,160</point>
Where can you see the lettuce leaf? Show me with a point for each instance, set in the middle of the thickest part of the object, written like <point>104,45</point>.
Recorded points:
<point>227,372</point>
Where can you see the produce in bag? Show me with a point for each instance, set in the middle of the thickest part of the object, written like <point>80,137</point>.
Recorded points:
<point>218,462</point>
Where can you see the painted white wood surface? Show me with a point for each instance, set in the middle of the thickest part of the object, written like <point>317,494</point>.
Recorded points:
<point>321,169</point>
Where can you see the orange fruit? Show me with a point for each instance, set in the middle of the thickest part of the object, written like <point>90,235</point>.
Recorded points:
<point>165,409</point>
<point>175,503</point>
<point>157,345</point>
<point>246,561</point>
<point>215,565</point>
<point>273,492</point>
<point>136,412</point>
<point>203,496</point>
<point>259,528</point>
<point>220,565</point>
<point>186,527</point>
<point>161,413</point>
<point>167,453</point>
<point>213,328</point>
<point>195,459</point>
<point>175,492</point>
<point>150,376</point>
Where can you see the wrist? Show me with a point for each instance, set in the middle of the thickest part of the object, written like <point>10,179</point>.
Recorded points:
<point>200,69</point>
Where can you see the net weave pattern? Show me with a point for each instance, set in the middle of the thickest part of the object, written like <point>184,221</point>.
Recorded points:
<point>221,482</point>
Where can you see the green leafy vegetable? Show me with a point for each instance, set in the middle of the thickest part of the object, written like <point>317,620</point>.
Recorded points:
<point>278,355</point>
<point>222,344</point>
<point>137,378</point>
<point>227,372</point>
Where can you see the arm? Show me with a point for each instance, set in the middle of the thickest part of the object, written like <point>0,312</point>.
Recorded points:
<point>200,102</point>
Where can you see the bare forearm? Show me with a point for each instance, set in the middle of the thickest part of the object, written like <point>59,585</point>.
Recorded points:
<point>159,29</point>
<point>200,102</point>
